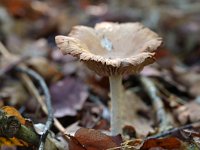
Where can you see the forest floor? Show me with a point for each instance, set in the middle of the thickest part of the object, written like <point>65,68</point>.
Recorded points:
<point>37,81</point>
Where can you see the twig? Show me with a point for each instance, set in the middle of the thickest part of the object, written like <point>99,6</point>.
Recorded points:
<point>174,130</point>
<point>164,134</point>
<point>33,90</point>
<point>44,87</point>
<point>157,103</point>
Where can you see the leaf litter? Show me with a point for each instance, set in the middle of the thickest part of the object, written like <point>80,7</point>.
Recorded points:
<point>81,98</point>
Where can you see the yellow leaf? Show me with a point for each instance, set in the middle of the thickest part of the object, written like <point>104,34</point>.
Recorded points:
<point>13,112</point>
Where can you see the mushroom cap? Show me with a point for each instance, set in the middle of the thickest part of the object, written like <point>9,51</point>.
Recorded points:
<point>111,48</point>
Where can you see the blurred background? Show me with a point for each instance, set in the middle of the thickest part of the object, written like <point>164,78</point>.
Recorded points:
<point>178,22</point>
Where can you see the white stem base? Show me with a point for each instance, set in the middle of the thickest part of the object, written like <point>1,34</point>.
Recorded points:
<point>116,91</point>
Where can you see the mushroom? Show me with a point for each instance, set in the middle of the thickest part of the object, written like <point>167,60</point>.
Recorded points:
<point>112,49</point>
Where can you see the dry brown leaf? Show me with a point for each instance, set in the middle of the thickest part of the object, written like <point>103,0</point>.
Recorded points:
<point>95,140</point>
<point>74,143</point>
<point>165,143</point>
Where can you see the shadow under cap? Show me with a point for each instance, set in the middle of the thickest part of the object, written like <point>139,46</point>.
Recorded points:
<point>111,48</point>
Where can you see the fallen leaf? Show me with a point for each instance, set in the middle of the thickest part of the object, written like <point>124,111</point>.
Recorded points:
<point>165,143</point>
<point>11,111</point>
<point>95,140</point>
<point>68,96</point>
<point>74,143</point>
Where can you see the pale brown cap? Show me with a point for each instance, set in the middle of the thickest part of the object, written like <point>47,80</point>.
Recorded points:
<point>111,48</point>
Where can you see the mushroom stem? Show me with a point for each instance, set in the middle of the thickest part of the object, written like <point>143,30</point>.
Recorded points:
<point>116,91</point>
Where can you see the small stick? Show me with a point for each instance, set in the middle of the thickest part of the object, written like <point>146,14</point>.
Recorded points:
<point>157,103</point>
<point>174,130</point>
<point>44,87</point>
<point>33,90</point>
